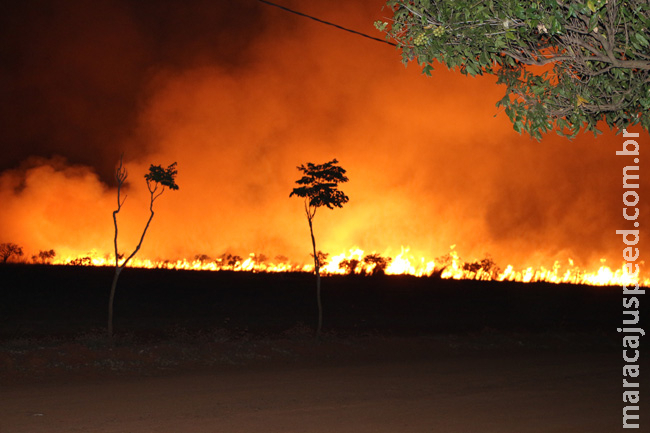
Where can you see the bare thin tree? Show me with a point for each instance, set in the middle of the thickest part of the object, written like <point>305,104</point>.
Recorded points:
<point>158,179</point>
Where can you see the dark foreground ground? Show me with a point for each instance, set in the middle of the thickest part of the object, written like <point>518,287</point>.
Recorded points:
<point>235,352</point>
<point>66,300</point>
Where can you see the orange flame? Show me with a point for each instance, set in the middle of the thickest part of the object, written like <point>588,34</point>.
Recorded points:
<point>452,267</point>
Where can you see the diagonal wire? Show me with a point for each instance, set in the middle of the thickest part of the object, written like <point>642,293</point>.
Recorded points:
<point>328,23</point>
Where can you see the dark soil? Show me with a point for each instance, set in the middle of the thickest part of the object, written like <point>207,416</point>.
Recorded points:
<point>53,319</point>
<point>67,300</point>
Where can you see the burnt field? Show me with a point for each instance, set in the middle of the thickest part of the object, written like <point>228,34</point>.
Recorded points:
<point>42,300</point>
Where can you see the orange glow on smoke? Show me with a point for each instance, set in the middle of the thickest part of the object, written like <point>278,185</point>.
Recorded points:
<point>431,161</point>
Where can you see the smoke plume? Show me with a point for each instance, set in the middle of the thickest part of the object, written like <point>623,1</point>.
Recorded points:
<point>238,96</point>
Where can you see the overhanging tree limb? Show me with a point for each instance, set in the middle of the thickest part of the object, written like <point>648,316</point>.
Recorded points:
<point>598,50</point>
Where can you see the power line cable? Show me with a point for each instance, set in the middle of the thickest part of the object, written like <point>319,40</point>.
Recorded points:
<point>328,23</point>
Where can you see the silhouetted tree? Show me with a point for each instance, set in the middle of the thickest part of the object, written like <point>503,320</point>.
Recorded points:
<point>9,250</point>
<point>259,259</point>
<point>233,261</point>
<point>203,258</point>
<point>442,263</point>
<point>322,258</point>
<point>319,187</point>
<point>228,260</point>
<point>472,268</point>
<point>380,263</point>
<point>349,265</point>
<point>490,267</point>
<point>81,261</point>
<point>46,256</point>
<point>486,266</point>
<point>157,179</point>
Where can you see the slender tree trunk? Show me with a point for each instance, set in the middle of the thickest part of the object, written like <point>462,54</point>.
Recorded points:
<point>320,304</point>
<point>118,267</point>
<point>317,270</point>
<point>118,270</point>
<point>154,181</point>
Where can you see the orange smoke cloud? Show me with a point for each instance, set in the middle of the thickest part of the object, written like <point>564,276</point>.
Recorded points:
<point>431,162</point>
<point>49,204</point>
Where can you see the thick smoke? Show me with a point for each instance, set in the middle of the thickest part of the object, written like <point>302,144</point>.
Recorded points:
<point>431,161</point>
<point>74,73</point>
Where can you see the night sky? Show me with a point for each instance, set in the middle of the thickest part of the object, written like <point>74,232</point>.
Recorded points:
<point>239,94</point>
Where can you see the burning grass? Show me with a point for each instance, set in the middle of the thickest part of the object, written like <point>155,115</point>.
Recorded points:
<point>357,261</point>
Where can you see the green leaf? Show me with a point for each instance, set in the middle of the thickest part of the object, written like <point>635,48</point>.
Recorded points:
<point>556,27</point>
<point>593,22</point>
<point>591,5</point>
<point>642,40</point>
<point>381,26</point>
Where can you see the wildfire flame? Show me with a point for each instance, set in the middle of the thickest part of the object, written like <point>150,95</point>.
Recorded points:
<point>429,163</point>
<point>404,263</point>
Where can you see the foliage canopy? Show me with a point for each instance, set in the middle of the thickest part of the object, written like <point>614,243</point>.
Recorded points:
<point>567,65</point>
<point>320,185</point>
<point>9,249</point>
<point>163,176</point>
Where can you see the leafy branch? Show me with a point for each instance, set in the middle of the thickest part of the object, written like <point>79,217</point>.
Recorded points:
<point>594,56</point>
